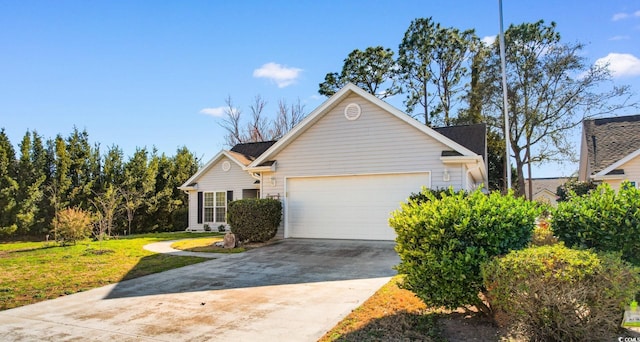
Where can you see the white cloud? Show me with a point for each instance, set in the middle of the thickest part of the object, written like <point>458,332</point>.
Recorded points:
<point>217,112</point>
<point>619,38</point>
<point>623,15</point>
<point>488,40</point>
<point>621,64</point>
<point>620,16</point>
<point>282,75</point>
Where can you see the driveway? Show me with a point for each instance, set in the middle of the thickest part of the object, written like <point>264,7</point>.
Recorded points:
<point>293,290</point>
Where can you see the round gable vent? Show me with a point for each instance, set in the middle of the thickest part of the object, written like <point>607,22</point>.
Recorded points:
<point>352,111</point>
<point>226,166</point>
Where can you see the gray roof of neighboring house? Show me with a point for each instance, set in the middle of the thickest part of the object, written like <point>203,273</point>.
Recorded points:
<point>473,137</point>
<point>610,139</point>
<point>252,150</point>
<point>540,184</point>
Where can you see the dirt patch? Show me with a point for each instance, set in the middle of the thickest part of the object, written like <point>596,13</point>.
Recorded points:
<point>458,326</point>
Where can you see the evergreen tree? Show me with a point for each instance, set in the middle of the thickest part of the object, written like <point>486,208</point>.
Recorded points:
<point>29,192</point>
<point>8,186</point>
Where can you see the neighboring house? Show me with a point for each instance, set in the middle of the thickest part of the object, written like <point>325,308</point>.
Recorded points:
<point>342,170</point>
<point>610,150</point>
<point>544,189</point>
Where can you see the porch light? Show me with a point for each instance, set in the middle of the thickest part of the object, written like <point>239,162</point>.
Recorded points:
<point>445,175</point>
<point>273,181</point>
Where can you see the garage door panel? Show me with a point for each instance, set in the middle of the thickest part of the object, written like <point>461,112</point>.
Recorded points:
<point>348,207</point>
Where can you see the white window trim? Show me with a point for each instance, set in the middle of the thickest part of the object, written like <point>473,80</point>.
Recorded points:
<point>214,207</point>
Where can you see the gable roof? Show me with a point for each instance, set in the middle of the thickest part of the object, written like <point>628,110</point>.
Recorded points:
<point>473,137</point>
<point>334,100</point>
<point>611,140</point>
<point>544,184</point>
<point>242,154</point>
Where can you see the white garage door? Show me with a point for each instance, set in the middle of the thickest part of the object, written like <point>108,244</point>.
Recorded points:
<point>348,207</point>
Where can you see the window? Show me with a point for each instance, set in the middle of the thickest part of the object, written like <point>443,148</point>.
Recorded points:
<point>221,206</point>
<point>215,206</point>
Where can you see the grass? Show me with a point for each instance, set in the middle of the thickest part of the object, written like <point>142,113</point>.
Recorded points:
<point>390,314</point>
<point>204,245</point>
<point>37,271</point>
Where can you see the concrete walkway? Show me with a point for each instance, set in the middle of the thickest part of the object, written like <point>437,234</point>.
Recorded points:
<point>165,247</point>
<point>294,290</point>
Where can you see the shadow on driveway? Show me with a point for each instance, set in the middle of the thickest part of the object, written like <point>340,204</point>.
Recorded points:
<point>291,261</point>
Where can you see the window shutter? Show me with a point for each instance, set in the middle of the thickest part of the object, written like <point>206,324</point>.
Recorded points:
<point>199,206</point>
<point>229,196</point>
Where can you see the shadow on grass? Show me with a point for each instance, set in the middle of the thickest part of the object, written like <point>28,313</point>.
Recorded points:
<point>291,261</point>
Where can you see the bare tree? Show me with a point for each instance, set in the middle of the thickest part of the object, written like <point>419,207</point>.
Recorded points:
<point>106,205</point>
<point>257,128</point>
<point>286,118</point>
<point>260,128</point>
<point>231,123</point>
<point>132,201</point>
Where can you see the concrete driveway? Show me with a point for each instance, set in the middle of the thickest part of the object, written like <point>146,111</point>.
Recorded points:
<point>293,290</point>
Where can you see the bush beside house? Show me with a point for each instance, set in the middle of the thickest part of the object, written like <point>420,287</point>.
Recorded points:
<point>254,220</point>
<point>443,238</point>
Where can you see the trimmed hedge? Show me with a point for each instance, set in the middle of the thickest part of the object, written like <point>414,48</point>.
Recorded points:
<point>254,219</point>
<point>554,293</point>
<point>605,220</point>
<point>442,239</point>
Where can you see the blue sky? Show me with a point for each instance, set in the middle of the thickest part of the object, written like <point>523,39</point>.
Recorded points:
<point>155,73</point>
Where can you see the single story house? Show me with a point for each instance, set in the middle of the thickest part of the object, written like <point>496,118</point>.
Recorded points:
<point>342,170</point>
<point>610,150</point>
<point>544,189</point>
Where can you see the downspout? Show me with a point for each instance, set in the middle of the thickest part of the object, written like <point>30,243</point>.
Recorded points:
<point>257,176</point>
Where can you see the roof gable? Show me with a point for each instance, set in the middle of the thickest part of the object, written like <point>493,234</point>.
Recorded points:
<point>610,140</point>
<point>231,155</point>
<point>334,100</point>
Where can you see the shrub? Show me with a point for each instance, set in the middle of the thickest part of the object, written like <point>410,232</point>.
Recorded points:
<point>254,220</point>
<point>606,221</point>
<point>71,225</point>
<point>543,235</point>
<point>422,196</point>
<point>180,219</point>
<point>554,293</point>
<point>442,242</point>
<point>574,188</point>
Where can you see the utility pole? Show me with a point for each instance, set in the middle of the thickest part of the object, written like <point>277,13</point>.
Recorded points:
<point>507,159</point>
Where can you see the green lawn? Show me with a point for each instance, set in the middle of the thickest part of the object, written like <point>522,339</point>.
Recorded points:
<point>35,271</point>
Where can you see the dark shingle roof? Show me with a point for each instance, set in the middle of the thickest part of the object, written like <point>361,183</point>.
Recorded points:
<point>252,150</point>
<point>610,139</point>
<point>473,137</point>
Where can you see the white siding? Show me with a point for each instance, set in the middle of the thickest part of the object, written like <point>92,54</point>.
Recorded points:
<point>215,179</point>
<point>377,142</point>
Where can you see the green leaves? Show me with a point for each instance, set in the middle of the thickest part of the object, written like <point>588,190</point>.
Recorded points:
<point>604,219</point>
<point>443,237</point>
<point>370,70</point>
<point>553,293</point>
<point>254,220</point>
